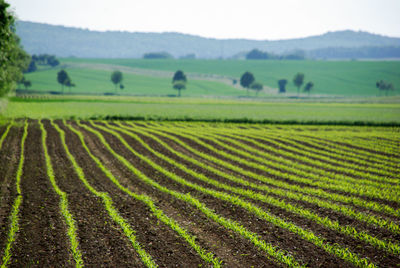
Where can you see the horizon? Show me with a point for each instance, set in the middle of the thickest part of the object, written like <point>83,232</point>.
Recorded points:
<point>254,20</point>
<point>174,32</point>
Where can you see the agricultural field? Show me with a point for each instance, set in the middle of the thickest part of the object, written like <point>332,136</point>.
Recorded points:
<point>148,194</point>
<point>330,78</point>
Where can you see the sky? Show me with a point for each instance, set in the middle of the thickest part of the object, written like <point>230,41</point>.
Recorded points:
<point>250,19</point>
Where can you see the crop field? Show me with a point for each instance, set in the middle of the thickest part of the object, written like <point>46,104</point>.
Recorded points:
<point>166,194</point>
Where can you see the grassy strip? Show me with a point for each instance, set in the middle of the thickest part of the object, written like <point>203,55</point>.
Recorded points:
<point>206,256</point>
<point>301,176</point>
<point>280,255</point>
<point>278,183</point>
<point>69,220</point>
<point>14,219</point>
<point>247,121</point>
<point>335,249</point>
<point>3,137</point>
<point>297,209</point>
<point>126,228</point>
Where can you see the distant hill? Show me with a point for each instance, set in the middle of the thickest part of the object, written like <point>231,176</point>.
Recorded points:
<point>39,38</point>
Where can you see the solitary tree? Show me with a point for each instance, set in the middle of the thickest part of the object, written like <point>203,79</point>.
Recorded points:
<point>298,81</point>
<point>116,78</point>
<point>308,87</point>
<point>257,87</point>
<point>282,85</point>
<point>179,81</point>
<point>246,80</point>
<point>62,78</point>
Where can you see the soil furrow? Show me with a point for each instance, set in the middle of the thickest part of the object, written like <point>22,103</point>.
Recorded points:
<point>41,240</point>
<point>234,250</point>
<point>161,242</point>
<point>101,241</point>
<point>268,231</point>
<point>9,157</point>
<point>379,256</point>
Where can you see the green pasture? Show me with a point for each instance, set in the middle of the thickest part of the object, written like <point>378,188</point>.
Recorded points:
<point>346,78</point>
<point>92,81</point>
<point>192,109</point>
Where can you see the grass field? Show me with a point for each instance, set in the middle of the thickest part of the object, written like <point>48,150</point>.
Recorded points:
<point>94,81</point>
<point>202,109</point>
<point>148,194</point>
<point>345,78</point>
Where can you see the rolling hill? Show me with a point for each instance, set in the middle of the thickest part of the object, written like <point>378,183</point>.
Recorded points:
<point>38,38</point>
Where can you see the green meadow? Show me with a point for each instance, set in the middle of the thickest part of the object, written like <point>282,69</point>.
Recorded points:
<point>336,78</point>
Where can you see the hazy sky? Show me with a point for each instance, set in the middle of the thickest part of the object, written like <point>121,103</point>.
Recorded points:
<point>253,19</point>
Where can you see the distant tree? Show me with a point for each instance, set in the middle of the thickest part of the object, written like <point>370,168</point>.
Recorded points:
<point>257,87</point>
<point>62,78</point>
<point>246,80</point>
<point>179,81</point>
<point>282,85</point>
<point>32,67</point>
<point>179,85</point>
<point>179,76</point>
<point>69,84</point>
<point>384,86</point>
<point>27,84</point>
<point>116,78</point>
<point>256,54</point>
<point>52,61</point>
<point>121,86</point>
<point>157,55</point>
<point>298,81</point>
<point>308,87</point>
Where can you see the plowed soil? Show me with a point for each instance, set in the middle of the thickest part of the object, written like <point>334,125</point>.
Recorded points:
<point>42,239</point>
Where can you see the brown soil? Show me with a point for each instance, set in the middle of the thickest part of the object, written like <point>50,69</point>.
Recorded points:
<point>42,239</point>
<point>9,158</point>
<point>101,241</point>
<point>269,232</point>
<point>380,257</point>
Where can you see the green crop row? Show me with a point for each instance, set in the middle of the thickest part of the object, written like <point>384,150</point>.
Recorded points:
<point>206,256</point>
<point>14,218</point>
<point>349,146</point>
<point>361,191</point>
<point>69,219</point>
<point>280,163</point>
<point>108,204</point>
<point>3,137</point>
<point>367,218</point>
<point>335,249</point>
<point>297,151</point>
<point>318,148</point>
<point>280,255</point>
<point>278,183</point>
<point>326,222</point>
